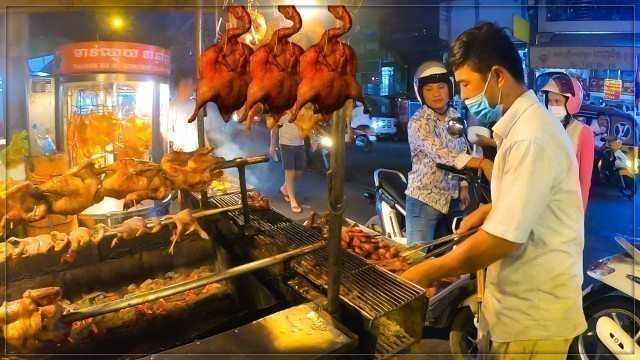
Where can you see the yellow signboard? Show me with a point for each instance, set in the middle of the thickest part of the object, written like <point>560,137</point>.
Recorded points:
<point>612,89</point>
<point>520,28</point>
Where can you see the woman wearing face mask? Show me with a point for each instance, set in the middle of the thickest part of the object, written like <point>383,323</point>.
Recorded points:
<point>432,196</point>
<point>563,97</point>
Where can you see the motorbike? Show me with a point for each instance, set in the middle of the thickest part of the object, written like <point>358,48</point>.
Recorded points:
<point>361,138</point>
<point>616,169</point>
<point>613,327</point>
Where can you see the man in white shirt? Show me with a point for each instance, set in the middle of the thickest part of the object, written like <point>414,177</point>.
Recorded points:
<point>532,236</point>
<point>182,134</point>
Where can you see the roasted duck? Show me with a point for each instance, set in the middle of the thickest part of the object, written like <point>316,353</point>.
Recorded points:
<point>134,181</point>
<point>319,223</point>
<point>328,71</point>
<point>31,323</point>
<point>191,171</point>
<point>78,138</point>
<point>224,69</point>
<point>17,203</point>
<point>73,192</point>
<point>275,72</point>
<point>136,137</point>
<point>257,201</point>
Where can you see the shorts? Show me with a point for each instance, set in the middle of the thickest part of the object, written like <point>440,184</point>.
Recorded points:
<point>293,157</point>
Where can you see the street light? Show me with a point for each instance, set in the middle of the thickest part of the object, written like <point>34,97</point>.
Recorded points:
<point>116,22</point>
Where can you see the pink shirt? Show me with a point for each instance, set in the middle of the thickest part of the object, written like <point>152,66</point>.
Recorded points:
<point>582,138</point>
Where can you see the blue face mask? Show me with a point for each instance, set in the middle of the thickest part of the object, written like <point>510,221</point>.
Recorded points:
<point>480,109</point>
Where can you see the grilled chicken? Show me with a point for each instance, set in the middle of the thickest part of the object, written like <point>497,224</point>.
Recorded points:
<point>134,181</point>
<point>32,322</point>
<point>73,192</point>
<point>185,224</point>
<point>132,228</point>
<point>191,171</point>
<point>17,203</point>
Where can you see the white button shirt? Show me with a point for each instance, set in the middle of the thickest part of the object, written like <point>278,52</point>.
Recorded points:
<point>535,293</point>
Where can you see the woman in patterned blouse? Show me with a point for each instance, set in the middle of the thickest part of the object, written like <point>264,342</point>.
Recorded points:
<point>432,195</point>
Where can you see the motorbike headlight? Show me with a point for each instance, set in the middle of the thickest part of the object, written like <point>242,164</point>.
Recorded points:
<point>234,117</point>
<point>602,268</point>
<point>326,141</point>
<point>629,164</point>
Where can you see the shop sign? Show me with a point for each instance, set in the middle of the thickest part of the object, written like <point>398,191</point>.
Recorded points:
<point>597,85</point>
<point>612,89</point>
<point>112,56</point>
<point>619,58</point>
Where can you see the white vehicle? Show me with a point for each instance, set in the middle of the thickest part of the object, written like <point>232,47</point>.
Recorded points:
<point>378,126</point>
<point>613,327</point>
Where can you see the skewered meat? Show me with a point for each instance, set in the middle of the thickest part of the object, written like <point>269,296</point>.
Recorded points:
<point>192,171</point>
<point>395,265</point>
<point>79,238</point>
<point>17,203</point>
<point>258,202</point>
<point>439,285</point>
<point>377,251</point>
<point>73,192</point>
<point>34,245</point>
<point>33,321</point>
<point>328,71</point>
<point>275,73</point>
<point>185,224</point>
<point>134,181</point>
<point>224,69</point>
<point>132,228</point>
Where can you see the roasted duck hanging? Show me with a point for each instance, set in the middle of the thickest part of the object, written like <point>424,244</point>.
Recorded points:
<point>328,71</point>
<point>17,203</point>
<point>275,71</point>
<point>224,69</point>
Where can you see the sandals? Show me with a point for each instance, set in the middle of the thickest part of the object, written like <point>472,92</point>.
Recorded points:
<point>284,196</point>
<point>296,209</point>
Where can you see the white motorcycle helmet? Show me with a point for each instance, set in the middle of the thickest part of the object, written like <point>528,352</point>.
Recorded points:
<point>431,72</point>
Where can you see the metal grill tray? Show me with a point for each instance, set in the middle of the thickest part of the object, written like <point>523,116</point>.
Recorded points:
<point>374,292</point>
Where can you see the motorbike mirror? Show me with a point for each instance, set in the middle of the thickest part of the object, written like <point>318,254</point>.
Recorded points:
<point>457,127</point>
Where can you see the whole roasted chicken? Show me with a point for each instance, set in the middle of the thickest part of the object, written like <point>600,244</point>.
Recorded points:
<point>275,71</point>
<point>224,69</point>
<point>17,203</point>
<point>328,71</point>
<point>134,181</point>
<point>30,323</point>
<point>73,192</point>
<point>191,171</point>
<point>136,137</point>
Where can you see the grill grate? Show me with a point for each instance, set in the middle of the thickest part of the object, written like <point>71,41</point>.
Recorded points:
<point>391,339</point>
<point>372,291</point>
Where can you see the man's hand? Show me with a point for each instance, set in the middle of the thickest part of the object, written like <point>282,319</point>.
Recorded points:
<point>464,197</point>
<point>417,275</point>
<point>475,219</point>
<point>485,141</point>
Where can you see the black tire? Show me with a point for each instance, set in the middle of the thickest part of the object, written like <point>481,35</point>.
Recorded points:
<point>462,331</point>
<point>608,303</point>
<point>627,186</point>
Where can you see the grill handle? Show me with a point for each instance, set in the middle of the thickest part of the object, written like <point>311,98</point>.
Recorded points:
<point>139,299</point>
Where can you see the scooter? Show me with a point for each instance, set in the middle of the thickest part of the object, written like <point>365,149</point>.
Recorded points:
<point>362,138</point>
<point>611,308</point>
<point>616,169</point>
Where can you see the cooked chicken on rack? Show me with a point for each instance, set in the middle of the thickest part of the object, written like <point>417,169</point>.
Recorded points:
<point>257,201</point>
<point>79,238</point>
<point>17,203</point>
<point>185,224</point>
<point>41,244</point>
<point>132,228</point>
<point>73,192</point>
<point>136,137</point>
<point>34,245</point>
<point>134,181</point>
<point>191,171</point>
<point>30,323</point>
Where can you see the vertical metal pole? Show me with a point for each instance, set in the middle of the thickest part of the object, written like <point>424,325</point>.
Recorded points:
<point>335,182</point>
<point>246,211</point>
<point>157,148</point>
<point>204,198</point>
